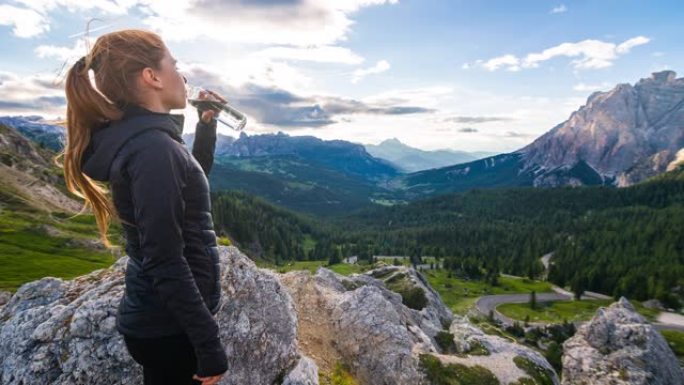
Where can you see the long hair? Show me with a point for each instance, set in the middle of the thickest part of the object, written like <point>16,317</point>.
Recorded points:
<point>115,59</point>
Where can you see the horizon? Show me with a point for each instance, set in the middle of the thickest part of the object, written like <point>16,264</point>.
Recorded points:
<point>436,75</point>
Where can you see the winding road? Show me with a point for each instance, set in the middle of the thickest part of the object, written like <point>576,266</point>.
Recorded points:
<point>666,320</point>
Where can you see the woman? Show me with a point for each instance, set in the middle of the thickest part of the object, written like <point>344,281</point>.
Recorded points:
<point>121,132</point>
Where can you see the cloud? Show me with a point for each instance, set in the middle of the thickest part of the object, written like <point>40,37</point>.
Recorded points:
<point>559,9</point>
<point>289,22</point>
<point>31,18</point>
<point>467,129</point>
<point>25,22</point>
<point>379,67</point>
<point>323,54</point>
<point>38,93</point>
<point>65,54</point>
<point>274,105</point>
<point>475,119</point>
<point>591,87</point>
<point>515,134</point>
<point>588,54</point>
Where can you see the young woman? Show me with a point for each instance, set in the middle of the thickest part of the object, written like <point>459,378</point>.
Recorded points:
<point>121,132</point>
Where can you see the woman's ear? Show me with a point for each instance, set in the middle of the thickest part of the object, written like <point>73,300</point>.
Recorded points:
<point>150,78</point>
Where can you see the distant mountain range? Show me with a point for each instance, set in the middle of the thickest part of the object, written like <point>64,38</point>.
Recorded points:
<point>617,138</point>
<point>410,159</point>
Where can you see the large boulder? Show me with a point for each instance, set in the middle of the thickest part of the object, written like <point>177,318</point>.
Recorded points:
<point>619,347</point>
<point>55,331</point>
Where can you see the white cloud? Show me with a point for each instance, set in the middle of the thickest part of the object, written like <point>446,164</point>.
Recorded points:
<point>379,67</point>
<point>559,9</point>
<point>31,18</point>
<point>631,43</point>
<point>25,22</point>
<point>295,23</point>
<point>35,94</point>
<point>323,54</point>
<point>68,54</point>
<point>582,87</point>
<point>588,54</point>
<point>510,62</point>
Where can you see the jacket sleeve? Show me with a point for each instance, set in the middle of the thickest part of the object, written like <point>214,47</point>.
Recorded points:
<point>158,175</point>
<point>204,145</point>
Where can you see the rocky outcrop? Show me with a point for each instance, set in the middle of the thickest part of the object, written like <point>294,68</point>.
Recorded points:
<point>627,134</point>
<point>276,328</point>
<point>63,332</point>
<point>618,347</point>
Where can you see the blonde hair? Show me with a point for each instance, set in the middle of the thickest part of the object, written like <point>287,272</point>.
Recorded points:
<point>115,59</point>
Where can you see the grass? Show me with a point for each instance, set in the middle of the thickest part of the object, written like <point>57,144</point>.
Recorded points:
<point>28,253</point>
<point>675,339</point>
<point>557,311</point>
<point>540,375</point>
<point>345,269</point>
<point>460,294</point>
<point>339,376</point>
<point>455,374</point>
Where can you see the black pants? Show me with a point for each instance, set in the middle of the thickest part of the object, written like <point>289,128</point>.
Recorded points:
<point>168,360</point>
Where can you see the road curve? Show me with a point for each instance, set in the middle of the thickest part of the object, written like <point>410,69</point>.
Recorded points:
<point>489,303</point>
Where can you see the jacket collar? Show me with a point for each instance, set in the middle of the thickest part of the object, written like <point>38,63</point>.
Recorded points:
<point>106,142</point>
<point>134,110</point>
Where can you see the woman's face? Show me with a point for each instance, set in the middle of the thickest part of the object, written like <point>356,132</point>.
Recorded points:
<point>173,92</point>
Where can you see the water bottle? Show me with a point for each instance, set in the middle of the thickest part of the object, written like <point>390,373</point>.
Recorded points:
<point>236,119</point>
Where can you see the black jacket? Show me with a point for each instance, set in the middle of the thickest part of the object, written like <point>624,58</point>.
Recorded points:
<point>162,191</point>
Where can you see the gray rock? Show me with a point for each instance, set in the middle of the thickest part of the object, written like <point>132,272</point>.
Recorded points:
<point>627,134</point>
<point>276,328</point>
<point>63,332</point>
<point>619,347</point>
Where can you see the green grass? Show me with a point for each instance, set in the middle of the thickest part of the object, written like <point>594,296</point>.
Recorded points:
<point>556,312</point>
<point>339,376</point>
<point>675,339</point>
<point>460,295</point>
<point>27,253</point>
<point>340,268</point>
<point>540,375</point>
<point>455,374</point>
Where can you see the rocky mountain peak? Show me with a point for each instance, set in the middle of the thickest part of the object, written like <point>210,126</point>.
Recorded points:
<point>626,134</point>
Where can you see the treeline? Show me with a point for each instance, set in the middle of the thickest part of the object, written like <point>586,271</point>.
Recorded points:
<point>620,241</point>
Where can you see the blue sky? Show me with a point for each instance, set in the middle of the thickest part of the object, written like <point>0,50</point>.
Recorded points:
<point>463,75</point>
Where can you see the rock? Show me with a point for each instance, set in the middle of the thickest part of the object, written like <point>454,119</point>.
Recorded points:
<point>626,134</point>
<point>4,298</point>
<point>653,304</point>
<point>63,332</point>
<point>619,347</point>
<point>276,329</point>
<point>497,354</point>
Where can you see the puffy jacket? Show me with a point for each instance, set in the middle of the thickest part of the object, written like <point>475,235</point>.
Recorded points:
<point>161,193</point>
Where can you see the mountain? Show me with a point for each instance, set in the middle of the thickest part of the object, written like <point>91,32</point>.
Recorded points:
<point>626,135</point>
<point>304,173</point>
<point>411,159</point>
<point>342,156</point>
<point>37,129</point>
<point>29,178</point>
<point>617,138</point>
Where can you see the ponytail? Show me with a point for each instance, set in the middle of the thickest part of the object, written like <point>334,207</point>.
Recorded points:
<point>91,105</point>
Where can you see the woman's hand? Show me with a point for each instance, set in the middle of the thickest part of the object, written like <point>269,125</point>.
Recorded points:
<point>207,115</point>
<point>211,380</point>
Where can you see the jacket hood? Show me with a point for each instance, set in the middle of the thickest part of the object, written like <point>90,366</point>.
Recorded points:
<point>106,142</point>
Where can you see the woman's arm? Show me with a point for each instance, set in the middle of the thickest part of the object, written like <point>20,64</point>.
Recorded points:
<point>158,174</point>
<point>204,144</point>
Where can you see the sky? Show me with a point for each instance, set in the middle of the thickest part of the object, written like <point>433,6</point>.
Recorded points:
<point>465,75</point>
